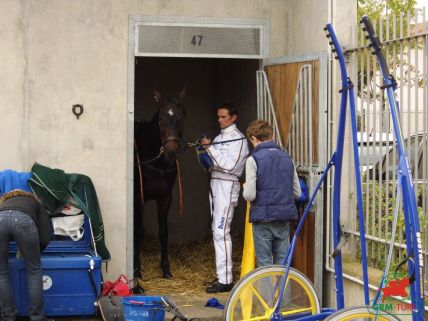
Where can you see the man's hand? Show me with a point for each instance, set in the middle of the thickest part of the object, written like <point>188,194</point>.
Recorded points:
<point>206,142</point>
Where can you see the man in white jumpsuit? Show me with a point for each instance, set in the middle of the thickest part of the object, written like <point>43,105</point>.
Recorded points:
<point>228,164</point>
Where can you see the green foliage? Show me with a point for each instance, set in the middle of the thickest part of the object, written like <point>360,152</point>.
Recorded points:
<point>379,199</point>
<point>381,13</point>
<point>377,9</point>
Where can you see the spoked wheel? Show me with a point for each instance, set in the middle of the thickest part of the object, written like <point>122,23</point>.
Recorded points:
<point>364,312</point>
<point>254,297</point>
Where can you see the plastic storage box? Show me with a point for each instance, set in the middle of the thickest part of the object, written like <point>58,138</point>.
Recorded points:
<point>143,308</point>
<point>71,276</point>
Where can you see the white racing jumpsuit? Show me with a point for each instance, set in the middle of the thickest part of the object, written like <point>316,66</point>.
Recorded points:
<point>228,165</point>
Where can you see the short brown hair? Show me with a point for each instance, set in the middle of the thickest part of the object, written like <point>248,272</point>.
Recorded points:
<point>260,129</point>
<point>229,107</point>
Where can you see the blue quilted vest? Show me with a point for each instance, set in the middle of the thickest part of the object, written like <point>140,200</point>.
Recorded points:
<point>275,173</point>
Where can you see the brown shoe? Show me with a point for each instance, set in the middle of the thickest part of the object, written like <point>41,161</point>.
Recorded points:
<point>219,287</point>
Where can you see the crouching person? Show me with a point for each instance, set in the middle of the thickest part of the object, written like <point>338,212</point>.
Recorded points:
<point>24,220</point>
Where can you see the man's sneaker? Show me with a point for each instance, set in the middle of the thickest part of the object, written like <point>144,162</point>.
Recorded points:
<point>219,287</point>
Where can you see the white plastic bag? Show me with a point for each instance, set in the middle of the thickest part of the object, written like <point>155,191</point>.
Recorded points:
<point>71,226</point>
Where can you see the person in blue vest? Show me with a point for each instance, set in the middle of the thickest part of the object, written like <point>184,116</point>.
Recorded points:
<point>271,186</point>
<point>24,220</point>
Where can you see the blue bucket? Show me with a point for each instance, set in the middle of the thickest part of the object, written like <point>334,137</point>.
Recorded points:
<point>143,308</point>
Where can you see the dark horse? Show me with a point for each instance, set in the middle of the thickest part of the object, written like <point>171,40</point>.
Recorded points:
<point>157,144</point>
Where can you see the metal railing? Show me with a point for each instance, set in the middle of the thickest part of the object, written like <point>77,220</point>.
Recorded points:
<point>265,108</point>
<point>300,142</point>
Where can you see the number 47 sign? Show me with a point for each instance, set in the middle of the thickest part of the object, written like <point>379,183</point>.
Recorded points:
<point>196,40</point>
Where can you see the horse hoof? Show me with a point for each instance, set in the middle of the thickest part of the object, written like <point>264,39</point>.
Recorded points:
<point>167,275</point>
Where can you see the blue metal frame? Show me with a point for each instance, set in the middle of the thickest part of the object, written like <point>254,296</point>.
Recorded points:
<point>411,218</point>
<point>348,87</point>
<point>336,161</point>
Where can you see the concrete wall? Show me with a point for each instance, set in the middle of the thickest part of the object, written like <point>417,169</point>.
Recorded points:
<point>56,53</point>
<point>307,18</point>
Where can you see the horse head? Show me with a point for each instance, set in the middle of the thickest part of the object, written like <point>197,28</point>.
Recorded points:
<point>171,116</point>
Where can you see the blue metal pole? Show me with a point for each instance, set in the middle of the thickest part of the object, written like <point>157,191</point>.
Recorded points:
<point>338,156</point>
<point>350,88</point>
<point>414,247</point>
<point>411,218</point>
<point>364,264</point>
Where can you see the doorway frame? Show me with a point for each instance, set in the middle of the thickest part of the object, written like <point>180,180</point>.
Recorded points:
<point>133,22</point>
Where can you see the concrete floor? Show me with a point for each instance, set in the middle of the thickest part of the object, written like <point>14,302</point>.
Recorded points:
<point>195,307</point>
<point>191,307</point>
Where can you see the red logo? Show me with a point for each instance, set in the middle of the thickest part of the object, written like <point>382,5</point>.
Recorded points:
<point>395,288</point>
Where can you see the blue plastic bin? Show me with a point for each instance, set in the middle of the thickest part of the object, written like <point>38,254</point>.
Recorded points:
<point>67,284</point>
<point>143,308</point>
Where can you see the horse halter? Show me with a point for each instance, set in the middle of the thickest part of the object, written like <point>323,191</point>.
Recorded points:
<point>172,129</point>
<point>182,144</point>
<point>171,138</point>
<point>162,150</point>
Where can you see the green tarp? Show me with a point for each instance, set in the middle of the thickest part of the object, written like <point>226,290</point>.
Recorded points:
<point>55,189</point>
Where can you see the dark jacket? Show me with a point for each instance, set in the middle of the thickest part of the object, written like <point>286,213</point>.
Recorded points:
<point>54,189</point>
<point>275,173</point>
<point>36,210</point>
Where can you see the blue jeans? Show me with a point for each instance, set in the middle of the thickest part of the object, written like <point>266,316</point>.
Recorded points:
<point>271,242</point>
<point>20,227</point>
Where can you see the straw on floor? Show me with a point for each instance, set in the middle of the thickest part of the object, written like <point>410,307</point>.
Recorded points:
<point>192,265</point>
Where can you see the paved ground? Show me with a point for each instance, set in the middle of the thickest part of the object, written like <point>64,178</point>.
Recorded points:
<point>191,307</point>
<point>194,307</point>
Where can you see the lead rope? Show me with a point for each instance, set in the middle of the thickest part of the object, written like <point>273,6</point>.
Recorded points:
<point>180,188</point>
<point>140,174</point>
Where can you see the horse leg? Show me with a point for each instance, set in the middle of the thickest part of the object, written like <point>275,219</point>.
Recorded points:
<point>163,209</point>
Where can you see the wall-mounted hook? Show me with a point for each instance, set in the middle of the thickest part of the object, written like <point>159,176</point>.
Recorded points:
<point>77,110</point>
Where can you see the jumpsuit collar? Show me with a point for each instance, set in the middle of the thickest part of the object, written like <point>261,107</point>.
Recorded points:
<point>228,129</point>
